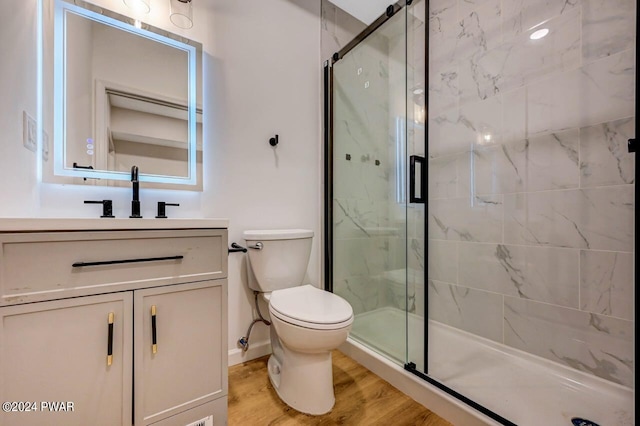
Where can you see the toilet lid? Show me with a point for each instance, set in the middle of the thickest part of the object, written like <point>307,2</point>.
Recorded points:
<point>311,305</point>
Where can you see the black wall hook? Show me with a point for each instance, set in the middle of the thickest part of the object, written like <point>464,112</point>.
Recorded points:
<point>273,141</point>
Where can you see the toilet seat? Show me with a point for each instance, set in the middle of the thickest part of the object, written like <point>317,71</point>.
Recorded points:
<point>309,307</point>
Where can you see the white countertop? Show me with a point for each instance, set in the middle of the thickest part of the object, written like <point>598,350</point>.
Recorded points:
<point>82,224</point>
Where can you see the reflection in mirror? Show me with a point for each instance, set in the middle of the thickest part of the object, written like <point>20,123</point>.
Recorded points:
<point>146,132</point>
<point>125,94</point>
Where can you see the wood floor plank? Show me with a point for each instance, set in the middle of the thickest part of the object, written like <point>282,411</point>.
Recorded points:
<point>362,399</point>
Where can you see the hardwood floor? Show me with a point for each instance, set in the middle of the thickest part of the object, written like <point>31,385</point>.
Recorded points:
<point>362,398</point>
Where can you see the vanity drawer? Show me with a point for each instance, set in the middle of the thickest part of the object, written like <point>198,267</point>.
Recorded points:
<point>53,265</point>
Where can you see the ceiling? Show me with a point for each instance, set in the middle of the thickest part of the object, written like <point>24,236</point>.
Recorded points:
<point>366,11</point>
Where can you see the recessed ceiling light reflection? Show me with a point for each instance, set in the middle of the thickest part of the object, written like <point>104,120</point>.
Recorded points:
<point>537,35</point>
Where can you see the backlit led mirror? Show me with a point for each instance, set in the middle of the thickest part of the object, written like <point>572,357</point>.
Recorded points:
<point>124,93</point>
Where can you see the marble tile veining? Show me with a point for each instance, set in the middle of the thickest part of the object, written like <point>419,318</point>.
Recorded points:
<point>606,283</point>
<point>479,29</point>
<point>536,164</point>
<point>477,312</point>
<point>537,273</point>
<point>457,130</point>
<point>476,219</point>
<point>362,293</point>
<point>443,15</point>
<point>608,27</point>
<point>588,342</point>
<point>367,257</point>
<point>443,89</point>
<point>522,15</point>
<point>598,218</point>
<point>520,60</point>
<point>604,157</point>
<point>594,93</point>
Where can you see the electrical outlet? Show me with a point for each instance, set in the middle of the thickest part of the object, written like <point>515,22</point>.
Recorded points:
<point>29,128</point>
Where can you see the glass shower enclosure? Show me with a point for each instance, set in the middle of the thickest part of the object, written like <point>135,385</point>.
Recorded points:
<point>480,201</point>
<point>372,157</point>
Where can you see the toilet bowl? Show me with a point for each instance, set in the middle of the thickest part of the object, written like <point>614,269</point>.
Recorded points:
<point>306,323</point>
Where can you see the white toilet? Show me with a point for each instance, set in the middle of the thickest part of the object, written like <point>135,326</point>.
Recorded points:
<point>306,322</point>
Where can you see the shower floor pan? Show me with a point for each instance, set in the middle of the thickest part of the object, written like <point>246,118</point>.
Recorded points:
<point>523,388</point>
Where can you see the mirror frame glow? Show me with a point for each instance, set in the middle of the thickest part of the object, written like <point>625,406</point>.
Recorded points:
<point>62,8</point>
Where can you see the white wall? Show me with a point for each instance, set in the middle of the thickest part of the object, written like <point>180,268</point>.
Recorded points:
<point>265,74</point>
<point>262,77</point>
<point>18,189</point>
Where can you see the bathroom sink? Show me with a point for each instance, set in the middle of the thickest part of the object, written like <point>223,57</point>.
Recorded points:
<point>77,224</point>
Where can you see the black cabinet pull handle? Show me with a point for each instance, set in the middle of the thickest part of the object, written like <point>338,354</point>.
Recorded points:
<point>110,340</point>
<point>154,336</point>
<point>414,161</point>
<point>114,262</point>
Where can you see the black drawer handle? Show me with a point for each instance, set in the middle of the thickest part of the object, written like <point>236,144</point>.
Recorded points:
<point>154,337</point>
<point>114,262</point>
<point>110,340</point>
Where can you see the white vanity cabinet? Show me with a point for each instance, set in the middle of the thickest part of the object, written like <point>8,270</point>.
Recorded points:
<point>57,352</point>
<point>184,369</point>
<point>122,326</point>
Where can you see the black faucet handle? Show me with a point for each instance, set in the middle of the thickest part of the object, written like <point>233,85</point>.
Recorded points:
<point>162,210</point>
<point>107,207</point>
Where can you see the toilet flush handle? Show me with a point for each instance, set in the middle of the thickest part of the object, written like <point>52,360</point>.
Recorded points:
<point>258,246</point>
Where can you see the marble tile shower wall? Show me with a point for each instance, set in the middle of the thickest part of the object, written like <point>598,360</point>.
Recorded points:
<point>363,235</point>
<point>531,210</point>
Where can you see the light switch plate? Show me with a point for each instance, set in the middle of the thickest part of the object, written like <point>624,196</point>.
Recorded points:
<point>29,129</point>
<point>45,146</point>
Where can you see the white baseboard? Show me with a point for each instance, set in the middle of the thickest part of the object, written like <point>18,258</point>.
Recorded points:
<point>429,396</point>
<point>256,350</point>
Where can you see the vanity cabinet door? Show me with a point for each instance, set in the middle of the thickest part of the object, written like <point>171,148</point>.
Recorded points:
<point>184,366</point>
<point>55,354</point>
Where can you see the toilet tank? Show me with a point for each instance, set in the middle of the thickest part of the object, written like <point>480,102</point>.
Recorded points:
<point>282,261</point>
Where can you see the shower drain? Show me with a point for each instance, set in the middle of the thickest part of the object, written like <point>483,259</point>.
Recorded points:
<point>577,421</point>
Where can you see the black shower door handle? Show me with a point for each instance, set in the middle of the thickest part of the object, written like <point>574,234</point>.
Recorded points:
<point>417,185</point>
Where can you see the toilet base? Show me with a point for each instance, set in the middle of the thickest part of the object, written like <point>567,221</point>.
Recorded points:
<point>302,381</point>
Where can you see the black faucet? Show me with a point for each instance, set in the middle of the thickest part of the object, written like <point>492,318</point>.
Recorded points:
<point>135,203</point>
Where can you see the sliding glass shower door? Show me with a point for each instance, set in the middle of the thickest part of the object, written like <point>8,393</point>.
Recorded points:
<point>371,199</point>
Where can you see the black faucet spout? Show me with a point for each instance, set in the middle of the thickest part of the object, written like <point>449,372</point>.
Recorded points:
<point>135,183</point>
<point>135,202</point>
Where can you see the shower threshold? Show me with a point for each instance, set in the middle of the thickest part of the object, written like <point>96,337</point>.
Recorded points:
<point>523,388</point>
